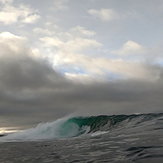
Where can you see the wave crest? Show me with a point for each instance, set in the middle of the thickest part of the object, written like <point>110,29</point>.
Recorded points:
<point>76,126</point>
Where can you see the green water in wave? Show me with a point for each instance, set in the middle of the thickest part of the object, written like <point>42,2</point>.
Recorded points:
<point>102,122</point>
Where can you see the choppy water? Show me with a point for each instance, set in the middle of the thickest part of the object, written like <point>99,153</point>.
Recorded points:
<point>120,138</point>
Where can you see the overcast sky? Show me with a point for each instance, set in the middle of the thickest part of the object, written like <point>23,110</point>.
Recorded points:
<point>61,57</point>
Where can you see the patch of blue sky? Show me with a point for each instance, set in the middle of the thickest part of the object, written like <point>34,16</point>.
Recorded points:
<point>109,75</point>
<point>112,76</point>
<point>134,58</point>
<point>71,69</point>
<point>159,62</point>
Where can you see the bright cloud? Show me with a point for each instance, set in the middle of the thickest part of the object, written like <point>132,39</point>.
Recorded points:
<point>72,43</point>
<point>6,1</point>
<point>50,41</point>
<point>81,30</point>
<point>101,68</point>
<point>10,14</point>
<point>82,78</point>
<point>130,48</point>
<point>42,31</point>
<point>104,14</point>
<point>60,4</point>
<point>71,53</point>
<point>12,45</point>
<point>67,49</point>
<point>111,51</point>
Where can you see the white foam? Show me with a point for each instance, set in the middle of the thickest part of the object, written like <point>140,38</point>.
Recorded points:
<point>49,130</point>
<point>99,133</point>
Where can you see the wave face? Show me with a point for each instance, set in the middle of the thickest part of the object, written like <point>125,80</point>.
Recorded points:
<point>77,126</point>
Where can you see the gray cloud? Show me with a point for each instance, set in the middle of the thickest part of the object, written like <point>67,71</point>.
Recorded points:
<point>31,91</point>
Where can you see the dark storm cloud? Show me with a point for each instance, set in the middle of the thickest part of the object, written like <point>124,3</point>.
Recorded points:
<point>31,91</point>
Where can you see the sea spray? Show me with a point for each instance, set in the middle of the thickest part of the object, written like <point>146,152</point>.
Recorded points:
<point>68,127</point>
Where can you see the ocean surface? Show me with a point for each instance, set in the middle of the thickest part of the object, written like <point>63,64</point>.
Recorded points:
<point>95,139</point>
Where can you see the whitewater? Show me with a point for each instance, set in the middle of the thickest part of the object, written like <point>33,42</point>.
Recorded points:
<point>102,138</point>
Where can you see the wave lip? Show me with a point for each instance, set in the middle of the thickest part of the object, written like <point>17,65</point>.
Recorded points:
<point>77,126</point>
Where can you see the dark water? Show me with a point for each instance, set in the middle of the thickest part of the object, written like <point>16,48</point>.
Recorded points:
<point>120,138</point>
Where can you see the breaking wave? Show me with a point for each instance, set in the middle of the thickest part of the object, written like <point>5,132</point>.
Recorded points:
<point>77,126</point>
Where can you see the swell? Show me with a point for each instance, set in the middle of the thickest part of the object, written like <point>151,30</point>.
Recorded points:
<point>104,122</point>
<point>77,126</point>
